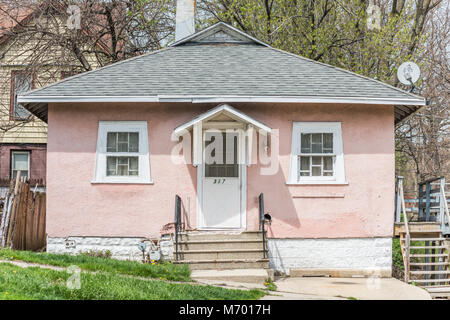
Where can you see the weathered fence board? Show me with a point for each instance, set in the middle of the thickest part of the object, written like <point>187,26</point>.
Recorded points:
<point>22,226</point>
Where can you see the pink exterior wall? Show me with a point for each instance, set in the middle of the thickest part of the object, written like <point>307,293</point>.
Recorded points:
<point>37,160</point>
<point>363,208</point>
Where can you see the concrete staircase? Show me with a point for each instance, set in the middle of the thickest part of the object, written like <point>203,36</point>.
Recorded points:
<point>222,250</point>
<point>236,256</point>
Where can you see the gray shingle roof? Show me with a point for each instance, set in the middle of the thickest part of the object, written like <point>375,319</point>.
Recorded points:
<point>210,68</point>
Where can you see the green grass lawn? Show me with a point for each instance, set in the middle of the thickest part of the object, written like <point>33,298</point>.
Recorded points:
<point>44,284</point>
<point>169,271</point>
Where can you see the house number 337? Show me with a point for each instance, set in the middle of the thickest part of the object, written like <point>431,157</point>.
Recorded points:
<point>219,181</point>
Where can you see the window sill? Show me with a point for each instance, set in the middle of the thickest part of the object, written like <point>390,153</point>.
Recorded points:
<point>123,182</point>
<point>314,183</point>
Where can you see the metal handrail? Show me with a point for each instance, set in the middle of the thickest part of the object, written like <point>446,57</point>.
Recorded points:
<point>262,222</point>
<point>177,223</point>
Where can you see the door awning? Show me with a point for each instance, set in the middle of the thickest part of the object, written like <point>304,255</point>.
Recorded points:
<point>222,109</point>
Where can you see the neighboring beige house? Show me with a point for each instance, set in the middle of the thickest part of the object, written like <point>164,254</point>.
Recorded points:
<point>27,61</point>
<point>23,137</point>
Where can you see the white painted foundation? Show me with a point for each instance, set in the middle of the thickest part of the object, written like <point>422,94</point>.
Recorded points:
<point>362,255</point>
<point>121,248</point>
<point>355,255</point>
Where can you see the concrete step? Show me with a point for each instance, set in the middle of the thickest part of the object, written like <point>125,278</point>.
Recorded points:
<point>222,235</point>
<point>220,244</point>
<point>226,254</point>
<point>226,264</point>
<point>234,275</point>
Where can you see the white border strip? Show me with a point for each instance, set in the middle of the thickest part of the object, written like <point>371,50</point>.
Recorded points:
<point>222,99</point>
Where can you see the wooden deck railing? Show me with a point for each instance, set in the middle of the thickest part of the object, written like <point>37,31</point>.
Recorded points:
<point>401,209</point>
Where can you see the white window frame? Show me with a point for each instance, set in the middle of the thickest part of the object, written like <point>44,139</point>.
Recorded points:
<point>13,152</point>
<point>338,161</point>
<point>104,127</point>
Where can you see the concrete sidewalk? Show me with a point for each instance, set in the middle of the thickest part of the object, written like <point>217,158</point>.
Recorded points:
<point>347,288</point>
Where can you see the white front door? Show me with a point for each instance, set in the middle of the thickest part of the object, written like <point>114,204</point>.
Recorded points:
<point>221,204</point>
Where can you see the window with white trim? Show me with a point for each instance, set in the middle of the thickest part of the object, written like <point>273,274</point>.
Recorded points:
<point>317,153</point>
<point>122,152</point>
<point>20,161</point>
<point>21,83</point>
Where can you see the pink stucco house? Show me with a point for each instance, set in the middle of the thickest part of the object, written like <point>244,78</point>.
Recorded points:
<point>219,118</point>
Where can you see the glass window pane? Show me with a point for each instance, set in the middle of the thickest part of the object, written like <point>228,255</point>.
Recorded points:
<point>316,171</point>
<point>134,163</point>
<point>221,171</point>
<point>327,163</point>
<point>328,174</point>
<point>316,143</point>
<point>305,174</point>
<point>22,83</point>
<point>123,147</point>
<point>134,142</point>
<point>306,143</point>
<point>20,161</point>
<point>328,142</point>
<point>23,173</point>
<point>210,171</point>
<point>111,166</point>
<point>316,161</point>
<point>111,144</point>
<point>123,137</point>
<point>122,170</point>
<point>231,172</point>
<point>316,148</point>
<point>317,138</point>
<point>304,163</point>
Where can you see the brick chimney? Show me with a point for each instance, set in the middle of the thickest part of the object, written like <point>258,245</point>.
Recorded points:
<point>185,24</point>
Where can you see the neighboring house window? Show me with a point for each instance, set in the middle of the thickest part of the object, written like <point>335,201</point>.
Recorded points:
<point>20,161</point>
<point>21,82</point>
<point>122,152</point>
<point>66,74</point>
<point>317,153</point>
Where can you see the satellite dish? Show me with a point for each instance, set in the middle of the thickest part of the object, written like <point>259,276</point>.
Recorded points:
<point>408,73</point>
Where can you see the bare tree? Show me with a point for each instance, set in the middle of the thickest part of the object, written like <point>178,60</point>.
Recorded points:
<point>52,39</point>
<point>424,139</point>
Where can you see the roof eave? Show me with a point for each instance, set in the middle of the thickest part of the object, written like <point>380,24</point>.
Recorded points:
<point>221,99</point>
<point>404,108</point>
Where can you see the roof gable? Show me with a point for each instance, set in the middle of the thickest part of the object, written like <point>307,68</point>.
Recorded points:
<point>226,110</point>
<point>220,33</point>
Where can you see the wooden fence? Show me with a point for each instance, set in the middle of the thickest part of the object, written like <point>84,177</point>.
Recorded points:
<point>22,224</point>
